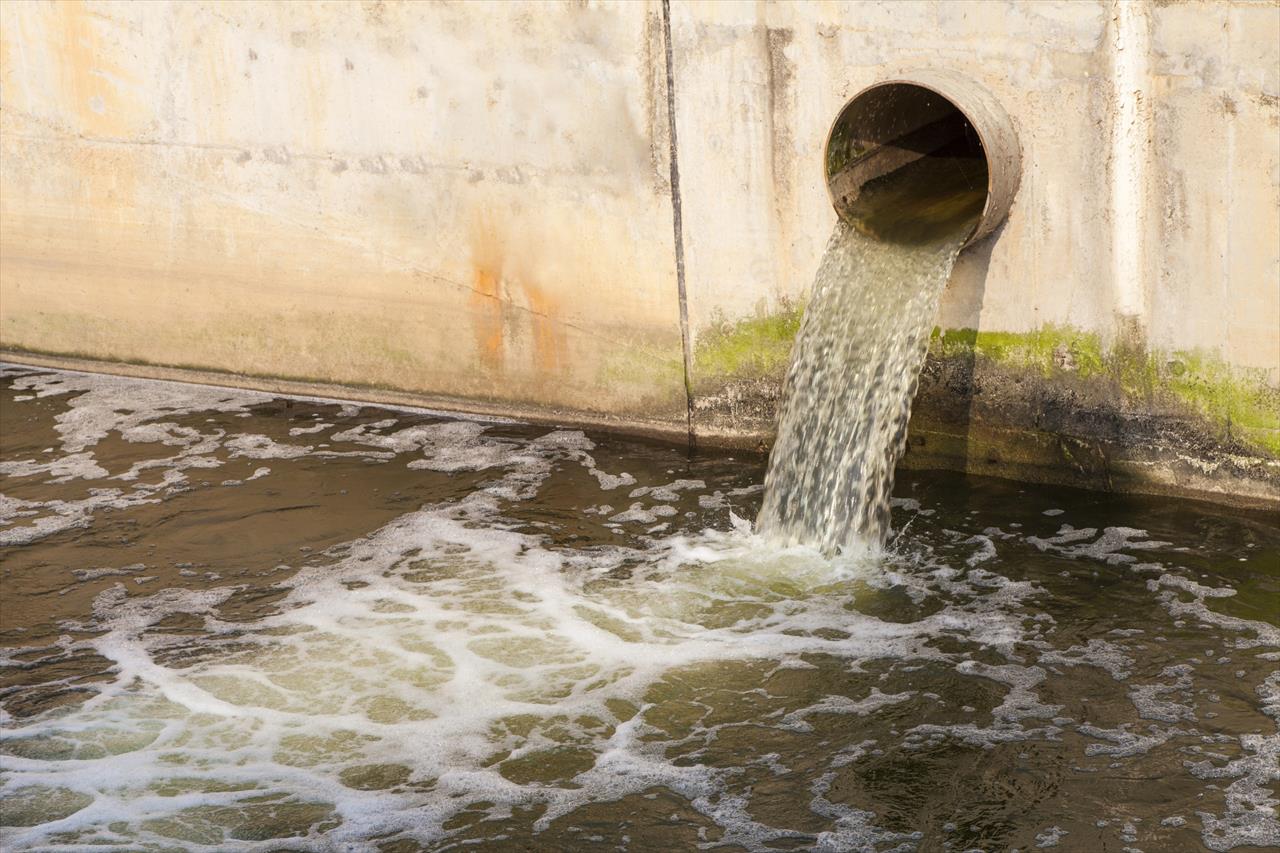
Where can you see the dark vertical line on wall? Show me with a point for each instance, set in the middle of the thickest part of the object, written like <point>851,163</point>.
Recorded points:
<point>677,221</point>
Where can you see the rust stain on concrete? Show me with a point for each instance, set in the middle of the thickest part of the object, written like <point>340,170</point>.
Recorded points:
<point>487,318</point>
<point>488,261</point>
<point>510,309</point>
<point>550,350</point>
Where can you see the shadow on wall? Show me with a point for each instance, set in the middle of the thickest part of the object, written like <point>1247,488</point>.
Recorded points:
<point>944,399</point>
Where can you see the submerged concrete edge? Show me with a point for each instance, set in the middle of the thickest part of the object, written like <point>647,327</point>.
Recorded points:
<point>667,432</point>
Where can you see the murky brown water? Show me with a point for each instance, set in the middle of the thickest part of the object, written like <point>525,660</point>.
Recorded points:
<point>236,622</point>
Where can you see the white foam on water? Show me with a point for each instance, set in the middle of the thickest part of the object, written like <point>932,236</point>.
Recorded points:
<point>1022,700</point>
<point>99,406</point>
<point>1119,742</point>
<point>138,410</point>
<point>1251,818</point>
<point>986,551</point>
<point>1167,587</point>
<point>1098,653</point>
<point>106,572</point>
<point>854,828</point>
<point>56,516</point>
<point>261,447</point>
<point>1108,548</point>
<point>873,701</point>
<point>1150,701</point>
<point>637,513</point>
<point>420,662</point>
<point>608,482</point>
<point>314,428</point>
<point>1050,837</point>
<point>74,466</point>
<point>669,492</point>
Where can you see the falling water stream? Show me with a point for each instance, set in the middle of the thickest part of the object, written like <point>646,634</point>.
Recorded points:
<point>857,358</point>
<point>849,390</point>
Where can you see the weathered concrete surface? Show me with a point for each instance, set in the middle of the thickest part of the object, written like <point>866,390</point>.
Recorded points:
<point>474,204</point>
<point>1056,408</point>
<point>376,194</point>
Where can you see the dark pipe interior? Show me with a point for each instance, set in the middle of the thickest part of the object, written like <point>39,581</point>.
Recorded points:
<point>905,165</point>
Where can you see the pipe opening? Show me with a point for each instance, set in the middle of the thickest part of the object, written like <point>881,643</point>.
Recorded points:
<point>906,163</point>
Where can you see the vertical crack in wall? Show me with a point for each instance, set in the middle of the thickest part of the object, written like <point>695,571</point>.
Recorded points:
<point>677,221</point>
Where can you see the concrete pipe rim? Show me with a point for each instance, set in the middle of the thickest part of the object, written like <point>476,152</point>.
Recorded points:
<point>992,125</point>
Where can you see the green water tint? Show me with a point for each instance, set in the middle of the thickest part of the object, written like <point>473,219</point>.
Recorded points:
<point>415,634</point>
<point>907,205</point>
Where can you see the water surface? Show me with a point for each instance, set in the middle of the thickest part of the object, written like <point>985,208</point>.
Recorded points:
<point>237,622</point>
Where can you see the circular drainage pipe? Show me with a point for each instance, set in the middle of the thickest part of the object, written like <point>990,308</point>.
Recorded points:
<point>918,158</point>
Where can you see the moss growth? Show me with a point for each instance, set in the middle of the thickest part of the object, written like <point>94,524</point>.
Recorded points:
<point>1049,349</point>
<point>1238,402</point>
<point>656,374</point>
<point>752,348</point>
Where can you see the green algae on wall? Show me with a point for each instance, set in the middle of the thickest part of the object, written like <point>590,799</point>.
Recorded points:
<point>751,348</point>
<point>658,373</point>
<point>1045,351</point>
<point>1239,403</point>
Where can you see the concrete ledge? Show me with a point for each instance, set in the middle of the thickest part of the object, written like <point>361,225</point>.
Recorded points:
<point>1113,422</point>
<point>674,433</point>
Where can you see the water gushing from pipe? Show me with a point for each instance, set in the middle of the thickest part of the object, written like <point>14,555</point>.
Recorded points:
<point>914,178</point>
<point>849,389</point>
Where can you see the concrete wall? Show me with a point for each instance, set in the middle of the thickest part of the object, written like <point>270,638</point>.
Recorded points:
<point>458,200</point>
<point>475,202</point>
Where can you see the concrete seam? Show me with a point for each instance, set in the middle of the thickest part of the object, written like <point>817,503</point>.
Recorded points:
<point>1130,150</point>
<point>677,222</point>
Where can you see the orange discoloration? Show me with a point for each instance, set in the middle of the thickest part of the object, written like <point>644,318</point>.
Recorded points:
<point>550,350</point>
<point>486,315</point>
<point>515,322</point>
<point>488,264</point>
